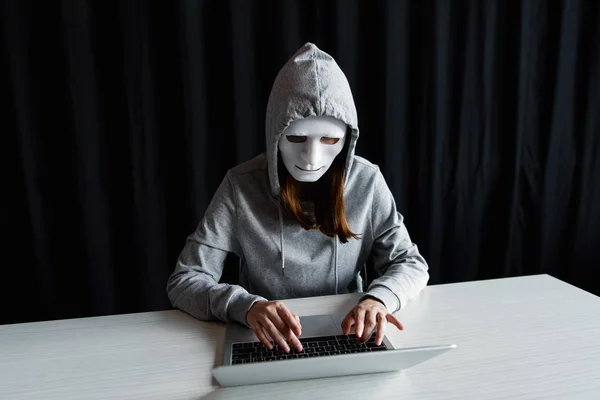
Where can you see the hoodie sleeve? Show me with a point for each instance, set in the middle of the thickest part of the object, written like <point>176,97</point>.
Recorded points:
<point>403,271</point>
<point>193,286</point>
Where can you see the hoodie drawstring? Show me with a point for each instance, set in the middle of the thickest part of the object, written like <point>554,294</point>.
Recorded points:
<point>281,240</point>
<point>335,251</point>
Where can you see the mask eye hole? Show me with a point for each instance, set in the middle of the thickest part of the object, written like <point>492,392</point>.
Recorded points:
<point>329,140</point>
<point>296,139</point>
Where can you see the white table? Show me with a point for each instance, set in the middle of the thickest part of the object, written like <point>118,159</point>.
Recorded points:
<point>531,337</point>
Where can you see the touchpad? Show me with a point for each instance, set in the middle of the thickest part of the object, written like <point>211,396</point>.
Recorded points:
<point>319,325</point>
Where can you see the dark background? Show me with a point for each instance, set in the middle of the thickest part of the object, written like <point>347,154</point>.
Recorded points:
<point>120,118</point>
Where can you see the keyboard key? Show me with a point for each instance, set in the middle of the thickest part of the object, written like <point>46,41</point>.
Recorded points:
<point>326,338</point>
<point>308,340</point>
<point>244,350</point>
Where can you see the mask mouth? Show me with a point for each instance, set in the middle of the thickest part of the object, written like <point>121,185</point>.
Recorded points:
<point>309,170</point>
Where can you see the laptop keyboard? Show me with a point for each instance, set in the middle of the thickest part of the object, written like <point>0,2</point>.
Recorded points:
<point>252,352</point>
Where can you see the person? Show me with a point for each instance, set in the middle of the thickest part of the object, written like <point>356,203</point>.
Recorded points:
<point>304,218</point>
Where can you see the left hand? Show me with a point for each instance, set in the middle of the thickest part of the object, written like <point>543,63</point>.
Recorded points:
<point>367,315</point>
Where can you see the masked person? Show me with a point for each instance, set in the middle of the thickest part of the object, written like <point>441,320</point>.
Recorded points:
<point>305,217</point>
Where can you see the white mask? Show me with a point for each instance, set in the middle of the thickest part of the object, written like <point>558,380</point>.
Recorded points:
<point>308,146</point>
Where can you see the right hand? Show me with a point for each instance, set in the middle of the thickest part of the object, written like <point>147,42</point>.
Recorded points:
<point>274,318</point>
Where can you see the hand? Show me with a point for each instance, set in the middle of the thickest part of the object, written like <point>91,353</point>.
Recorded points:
<point>274,319</point>
<point>367,315</point>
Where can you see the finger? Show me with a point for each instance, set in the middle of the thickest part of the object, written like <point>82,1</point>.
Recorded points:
<point>278,322</point>
<point>359,316</point>
<point>275,334</point>
<point>294,341</point>
<point>392,319</point>
<point>348,322</point>
<point>287,331</point>
<point>269,338</point>
<point>288,317</point>
<point>370,324</point>
<point>381,323</point>
<point>258,331</point>
<point>297,318</point>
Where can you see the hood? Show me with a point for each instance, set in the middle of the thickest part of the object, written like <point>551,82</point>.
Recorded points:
<point>309,84</point>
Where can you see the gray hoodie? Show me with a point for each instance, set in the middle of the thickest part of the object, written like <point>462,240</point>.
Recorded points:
<point>279,258</point>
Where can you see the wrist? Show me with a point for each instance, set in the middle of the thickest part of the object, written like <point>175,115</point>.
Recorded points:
<point>369,297</point>
<point>252,308</point>
<point>384,295</point>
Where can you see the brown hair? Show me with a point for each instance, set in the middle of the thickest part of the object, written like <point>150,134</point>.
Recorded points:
<point>329,214</point>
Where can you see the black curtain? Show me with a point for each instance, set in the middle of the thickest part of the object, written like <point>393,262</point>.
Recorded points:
<point>120,118</point>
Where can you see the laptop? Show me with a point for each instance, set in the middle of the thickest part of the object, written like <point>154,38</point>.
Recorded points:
<point>326,352</point>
